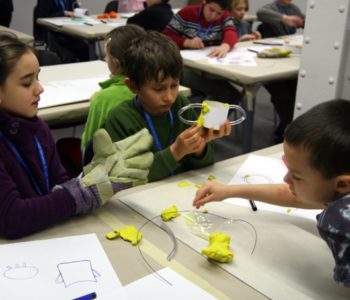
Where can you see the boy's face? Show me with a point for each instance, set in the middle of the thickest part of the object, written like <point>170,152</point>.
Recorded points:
<point>157,97</point>
<point>20,94</point>
<point>305,182</point>
<point>212,12</point>
<point>239,11</point>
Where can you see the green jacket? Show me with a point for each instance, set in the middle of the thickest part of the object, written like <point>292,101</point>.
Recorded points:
<point>127,119</point>
<point>113,92</point>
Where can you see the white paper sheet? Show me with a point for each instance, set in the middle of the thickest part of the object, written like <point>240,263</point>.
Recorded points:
<point>261,170</point>
<point>151,287</point>
<point>63,92</point>
<point>61,268</point>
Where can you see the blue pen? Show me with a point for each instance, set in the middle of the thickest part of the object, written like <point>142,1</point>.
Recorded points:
<point>87,297</point>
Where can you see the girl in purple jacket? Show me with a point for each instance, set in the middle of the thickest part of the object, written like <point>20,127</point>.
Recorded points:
<point>29,164</point>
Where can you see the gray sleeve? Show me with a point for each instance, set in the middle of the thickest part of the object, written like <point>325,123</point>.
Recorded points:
<point>269,14</point>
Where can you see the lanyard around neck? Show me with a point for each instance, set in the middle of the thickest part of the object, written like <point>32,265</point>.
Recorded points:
<point>151,125</point>
<point>24,164</point>
<point>203,35</point>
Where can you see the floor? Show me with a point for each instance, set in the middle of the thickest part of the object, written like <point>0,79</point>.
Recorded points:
<point>228,146</point>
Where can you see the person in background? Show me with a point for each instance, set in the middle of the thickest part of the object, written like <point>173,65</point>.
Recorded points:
<point>244,30</point>
<point>318,177</point>
<point>125,6</point>
<point>176,147</point>
<point>68,48</point>
<point>280,17</point>
<point>156,15</point>
<point>206,24</point>
<point>114,91</point>
<point>6,12</point>
<point>35,190</point>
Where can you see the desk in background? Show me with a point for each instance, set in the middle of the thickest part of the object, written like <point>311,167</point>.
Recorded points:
<point>72,113</point>
<point>25,38</point>
<point>251,78</point>
<point>90,31</point>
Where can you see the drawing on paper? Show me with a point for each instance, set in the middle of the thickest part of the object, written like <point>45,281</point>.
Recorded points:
<point>20,272</point>
<point>74,272</point>
<point>257,179</point>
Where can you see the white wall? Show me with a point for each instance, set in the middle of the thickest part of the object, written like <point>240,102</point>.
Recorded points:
<point>22,18</point>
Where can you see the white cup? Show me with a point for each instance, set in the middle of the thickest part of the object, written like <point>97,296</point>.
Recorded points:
<point>80,12</point>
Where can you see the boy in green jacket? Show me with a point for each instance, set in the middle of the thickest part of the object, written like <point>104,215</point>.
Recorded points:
<point>153,66</point>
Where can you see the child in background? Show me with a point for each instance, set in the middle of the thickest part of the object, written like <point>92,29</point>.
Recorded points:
<point>244,30</point>
<point>316,147</point>
<point>153,66</point>
<point>156,16</point>
<point>206,24</point>
<point>35,190</point>
<point>114,91</point>
<point>280,17</point>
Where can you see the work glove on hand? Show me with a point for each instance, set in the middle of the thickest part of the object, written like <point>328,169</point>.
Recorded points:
<point>124,161</point>
<point>114,167</point>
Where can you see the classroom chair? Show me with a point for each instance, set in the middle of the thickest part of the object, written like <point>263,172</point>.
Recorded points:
<point>112,6</point>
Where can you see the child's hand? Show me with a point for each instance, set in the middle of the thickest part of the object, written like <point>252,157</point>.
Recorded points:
<point>220,51</point>
<point>195,43</point>
<point>211,134</point>
<point>189,141</point>
<point>209,192</point>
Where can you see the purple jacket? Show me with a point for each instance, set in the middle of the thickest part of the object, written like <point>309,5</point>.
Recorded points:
<point>22,210</point>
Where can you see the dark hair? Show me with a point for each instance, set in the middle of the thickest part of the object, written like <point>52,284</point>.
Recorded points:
<point>119,39</point>
<point>324,131</point>
<point>150,56</point>
<point>224,4</point>
<point>11,50</point>
<point>234,3</point>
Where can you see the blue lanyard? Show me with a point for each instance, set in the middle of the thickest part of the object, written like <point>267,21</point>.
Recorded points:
<point>20,159</point>
<point>152,128</point>
<point>239,28</point>
<point>203,35</point>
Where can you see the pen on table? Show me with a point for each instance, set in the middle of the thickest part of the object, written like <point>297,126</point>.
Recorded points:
<point>251,50</point>
<point>252,204</point>
<point>267,43</point>
<point>104,21</point>
<point>88,24</point>
<point>89,296</point>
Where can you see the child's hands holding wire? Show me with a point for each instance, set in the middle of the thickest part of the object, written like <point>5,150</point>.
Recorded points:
<point>211,134</point>
<point>188,142</point>
<point>209,192</point>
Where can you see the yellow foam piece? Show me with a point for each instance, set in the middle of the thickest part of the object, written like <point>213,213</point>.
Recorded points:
<point>211,177</point>
<point>130,234</point>
<point>112,235</point>
<point>198,185</point>
<point>169,213</point>
<point>219,248</point>
<point>184,184</point>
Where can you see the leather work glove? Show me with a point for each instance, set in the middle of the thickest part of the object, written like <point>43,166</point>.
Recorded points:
<point>114,167</point>
<point>124,161</point>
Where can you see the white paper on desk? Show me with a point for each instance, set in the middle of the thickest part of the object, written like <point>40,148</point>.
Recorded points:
<point>263,170</point>
<point>63,92</point>
<point>237,57</point>
<point>290,260</point>
<point>151,287</point>
<point>60,268</point>
<point>196,54</point>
